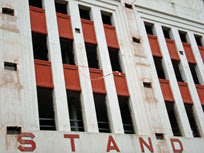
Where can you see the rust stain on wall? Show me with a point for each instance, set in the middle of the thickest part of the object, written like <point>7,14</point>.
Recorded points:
<point>9,23</point>
<point>10,79</point>
<point>11,143</point>
<point>162,146</point>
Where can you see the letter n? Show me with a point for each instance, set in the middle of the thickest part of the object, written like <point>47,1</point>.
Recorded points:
<point>142,143</point>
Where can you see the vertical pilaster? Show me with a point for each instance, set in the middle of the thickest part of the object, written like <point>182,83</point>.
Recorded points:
<point>112,100</point>
<point>59,91</point>
<point>27,65</point>
<point>157,102</point>
<point>88,108</point>
<point>132,64</point>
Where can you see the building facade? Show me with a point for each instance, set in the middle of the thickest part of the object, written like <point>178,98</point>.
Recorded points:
<point>96,76</point>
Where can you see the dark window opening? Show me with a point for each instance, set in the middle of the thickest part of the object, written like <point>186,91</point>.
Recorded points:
<point>101,113</point>
<point>10,66</point>
<point>191,118</point>
<point>84,13</point>
<point>149,29</point>
<point>125,114</point>
<point>8,11</point>
<point>166,33</point>
<point>198,40</point>
<point>177,70</point>
<point>203,107</point>
<point>159,136</point>
<point>106,19</point>
<point>91,52</point>
<point>193,72</point>
<point>114,58</point>
<point>172,118</point>
<point>136,40</point>
<point>128,6</point>
<point>181,52</point>
<point>77,30</point>
<point>67,51</point>
<point>40,46</point>
<point>147,84</point>
<point>183,36</point>
<point>75,113</point>
<point>159,67</point>
<point>46,110</point>
<point>36,3</point>
<point>61,7</point>
<point>13,130</point>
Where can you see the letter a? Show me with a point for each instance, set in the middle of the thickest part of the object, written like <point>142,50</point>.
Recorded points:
<point>113,147</point>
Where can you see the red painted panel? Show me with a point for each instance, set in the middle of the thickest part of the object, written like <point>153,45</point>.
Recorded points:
<point>200,90</point>
<point>43,74</point>
<point>64,26</point>
<point>98,85</point>
<point>166,90</point>
<point>121,84</point>
<point>88,31</point>
<point>189,53</point>
<point>185,93</point>
<point>201,48</point>
<point>38,21</point>
<point>154,44</point>
<point>172,49</point>
<point>111,36</point>
<point>71,76</point>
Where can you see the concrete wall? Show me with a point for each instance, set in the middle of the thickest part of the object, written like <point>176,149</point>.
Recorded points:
<point>18,98</point>
<point>53,142</point>
<point>189,9</point>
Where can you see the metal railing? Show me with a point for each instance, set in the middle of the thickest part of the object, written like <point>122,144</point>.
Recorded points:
<point>47,124</point>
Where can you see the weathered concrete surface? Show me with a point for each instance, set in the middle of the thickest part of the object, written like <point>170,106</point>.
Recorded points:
<point>54,142</point>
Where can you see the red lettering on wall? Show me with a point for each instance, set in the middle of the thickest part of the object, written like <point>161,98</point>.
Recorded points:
<point>72,137</point>
<point>112,147</point>
<point>26,142</point>
<point>142,143</point>
<point>174,149</point>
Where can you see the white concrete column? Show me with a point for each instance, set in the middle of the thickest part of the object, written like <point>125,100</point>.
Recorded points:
<point>179,105</point>
<point>29,101</point>
<point>128,59</point>
<point>112,99</point>
<point>88,107</point>
<point>59,91</point>
<point>135,68</point>
<point>18,97</point>
<point>198,58</point>
<point>191,86</point>
<point>159,101</point>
